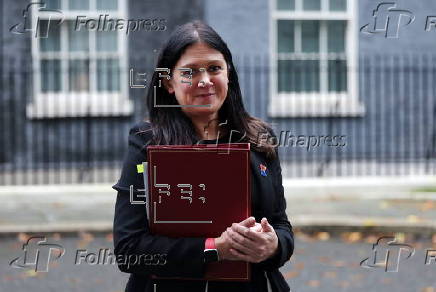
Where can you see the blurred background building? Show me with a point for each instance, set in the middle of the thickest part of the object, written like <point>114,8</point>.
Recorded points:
<point>349,86</point>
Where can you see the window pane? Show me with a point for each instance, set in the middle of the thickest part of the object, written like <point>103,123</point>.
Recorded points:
<point>338,5</point>
<point>78,40</point>
<point>50,75</point>
<point>285,4</point>
<point>78,4</point>
<point>336,36</point>
<point>106,41</point>
<point>310,36</point>
<point>49,36</point>
<point>108,75</point>
<point>78,75</point>
<point>311,4</point>
<point>298,76</point>
<point>337,75</point>
<point>285,36</point>
<point>107,4</point>
<point>52,4</point>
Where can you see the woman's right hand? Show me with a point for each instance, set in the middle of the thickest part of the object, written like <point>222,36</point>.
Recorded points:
<point>222,243</point>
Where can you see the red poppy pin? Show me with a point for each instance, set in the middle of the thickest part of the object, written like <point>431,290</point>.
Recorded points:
<point>262,169</point>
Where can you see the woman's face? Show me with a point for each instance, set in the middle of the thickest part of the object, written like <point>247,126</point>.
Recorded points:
<point>204,94</point>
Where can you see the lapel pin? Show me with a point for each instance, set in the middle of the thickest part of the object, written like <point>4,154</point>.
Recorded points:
<point>262,169</point>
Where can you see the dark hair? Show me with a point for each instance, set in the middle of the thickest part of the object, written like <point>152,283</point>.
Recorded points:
<point>170,125</point>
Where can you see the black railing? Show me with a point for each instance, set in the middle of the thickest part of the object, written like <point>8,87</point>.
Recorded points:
<point>387,125</point>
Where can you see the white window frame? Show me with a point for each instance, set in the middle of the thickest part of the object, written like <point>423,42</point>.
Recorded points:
<point>323,103</point>
<point>80,104</point>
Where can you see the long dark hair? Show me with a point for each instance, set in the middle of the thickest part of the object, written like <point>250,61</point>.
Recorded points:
<point>170,125</point>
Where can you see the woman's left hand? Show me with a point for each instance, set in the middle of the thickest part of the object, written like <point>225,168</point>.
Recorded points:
<point>251,245</point>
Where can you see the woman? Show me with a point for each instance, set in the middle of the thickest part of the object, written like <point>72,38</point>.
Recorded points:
<point>194,106</point>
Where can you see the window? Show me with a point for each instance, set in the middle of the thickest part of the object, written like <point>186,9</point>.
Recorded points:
<point>79,59</point>
<point>314,58</point>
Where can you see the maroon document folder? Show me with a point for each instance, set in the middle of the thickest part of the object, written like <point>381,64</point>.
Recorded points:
<point>199,191</point>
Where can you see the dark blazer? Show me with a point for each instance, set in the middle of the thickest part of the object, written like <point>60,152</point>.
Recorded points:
<point>184,256</point>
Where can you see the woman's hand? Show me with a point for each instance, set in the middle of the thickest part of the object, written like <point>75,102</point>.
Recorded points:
<point>251,243</point>
<point>224,242</point>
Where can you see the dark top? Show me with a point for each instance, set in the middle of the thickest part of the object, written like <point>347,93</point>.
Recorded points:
<point>185,255</point>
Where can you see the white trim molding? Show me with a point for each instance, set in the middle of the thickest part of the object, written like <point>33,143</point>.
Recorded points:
<point>314,105</point>
<point>89,101</point>
<point>320,103</point>
<point>67,105</point>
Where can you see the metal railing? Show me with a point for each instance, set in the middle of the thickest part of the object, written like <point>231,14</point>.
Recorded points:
<point>393,134</point>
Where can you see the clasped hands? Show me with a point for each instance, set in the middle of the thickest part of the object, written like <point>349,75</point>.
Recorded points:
<point>247,241</point>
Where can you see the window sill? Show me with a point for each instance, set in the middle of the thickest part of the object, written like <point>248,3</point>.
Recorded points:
<point>315,105</point>
<point>68,105</point>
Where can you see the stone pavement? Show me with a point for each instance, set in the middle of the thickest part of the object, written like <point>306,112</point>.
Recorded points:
<point>397,204</point>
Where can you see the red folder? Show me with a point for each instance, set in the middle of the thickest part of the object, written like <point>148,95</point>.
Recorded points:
<point>199,191</point>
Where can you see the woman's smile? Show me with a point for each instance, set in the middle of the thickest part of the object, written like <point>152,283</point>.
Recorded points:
<point>208,83</point>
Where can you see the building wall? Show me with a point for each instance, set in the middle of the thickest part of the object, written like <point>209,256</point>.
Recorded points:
<point>399,105</point>
<point>29,142</point>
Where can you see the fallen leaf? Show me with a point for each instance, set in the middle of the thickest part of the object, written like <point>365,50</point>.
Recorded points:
<point>329,274</point>
<point>56,236</point>
<point>354,236</point>
<point>324,259</point>
<point>371,239</point>
<point>400,237</point>
<point>428,289</point>
<point>291,274</point>
<point>86,236</point>
<point>339,264</point>
<point>304,237</point>
<point>313,283</point>
<point>110,237</point>
<point>412,219</point>
<point>369,223</point>
<point>323,236</point>
<point>23,237</point>
<point>29,273</point>
<point>85,239</point>
<point>428,205</point>
<point>299,266</point>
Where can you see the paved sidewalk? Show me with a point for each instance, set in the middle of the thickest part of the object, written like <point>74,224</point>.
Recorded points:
<point>405,204</point>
